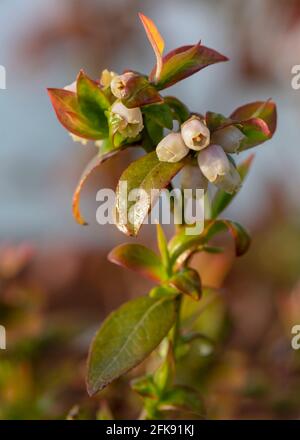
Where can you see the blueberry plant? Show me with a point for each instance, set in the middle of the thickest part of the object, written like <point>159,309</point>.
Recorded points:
<point>129,110</point>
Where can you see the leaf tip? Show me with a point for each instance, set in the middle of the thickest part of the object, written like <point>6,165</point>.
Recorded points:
<point>152,32</point>
<point>155,39</point>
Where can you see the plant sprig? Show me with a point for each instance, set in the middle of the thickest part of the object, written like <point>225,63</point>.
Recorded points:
<point>128,110</point>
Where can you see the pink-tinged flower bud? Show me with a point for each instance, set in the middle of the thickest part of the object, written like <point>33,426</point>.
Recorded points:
<point>195,133</point>
<point>229,138</point>
<point>128,121</point>
<point>217,168</point>
<point>71,87</point>
<point>171,148</point>
<point>106,78</point>
<point>193,178</point>
<point>120,85</point>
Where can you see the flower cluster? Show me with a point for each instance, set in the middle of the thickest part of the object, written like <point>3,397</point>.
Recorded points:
<point>215,165</point>
<point>128,110</point>
<point>128,122</point>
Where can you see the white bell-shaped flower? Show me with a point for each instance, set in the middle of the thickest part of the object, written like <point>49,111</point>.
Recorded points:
<point>217,168</point>
<point>128,121</point>
<point>171,148</point>
<point>195,133</point>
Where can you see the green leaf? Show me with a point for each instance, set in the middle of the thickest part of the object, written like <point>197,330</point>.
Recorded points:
<point>216,120</point>
<point>93,103</point>
<point>265,110</point>
<point>145,174</point>
<point>180,111</point>
<point>104,154</point>
<point>140,259</point>
<point>69,114</point>
<point>163,291</point>
<point>152,135</point>
<point>159,113</point>
<point>187,281</point>
<point>256,132</point>
<point>184,62</point>
<point>257,121</point>
<point>82,113</point>
<point>127,337</point>
<point>162,246</point>
<point>222,199</point>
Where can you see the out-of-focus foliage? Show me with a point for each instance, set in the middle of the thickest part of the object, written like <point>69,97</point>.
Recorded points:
<point>241,359</point>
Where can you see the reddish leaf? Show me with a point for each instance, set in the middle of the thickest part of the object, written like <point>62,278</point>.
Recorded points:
<point>241,237</point>
<point>257,121</point>
<point>140,92</point>
<point>69,114</point>
<point>184,62</point>
<point>265,110</point>
<point>156,40</point>
<point>140,259</point>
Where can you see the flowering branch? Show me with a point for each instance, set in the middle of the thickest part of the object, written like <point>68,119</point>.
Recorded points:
<point>128,110</point>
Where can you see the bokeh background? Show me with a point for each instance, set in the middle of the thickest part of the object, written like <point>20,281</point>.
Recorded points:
<point>56,285</point>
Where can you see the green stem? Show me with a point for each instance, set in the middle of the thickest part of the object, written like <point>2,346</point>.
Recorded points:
<point>175,331</point>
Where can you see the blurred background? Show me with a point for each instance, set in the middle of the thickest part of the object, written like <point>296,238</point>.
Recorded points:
<point>55,282</point>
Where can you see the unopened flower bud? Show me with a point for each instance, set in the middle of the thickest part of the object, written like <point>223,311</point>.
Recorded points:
<point>229,138</point>
<point>120,85</point>
<point>193,178</point>
<point>128,121</point>
<point>171,148</point>
<point>106,78</point>
<point>195,133</point>
<point>218,169</point>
